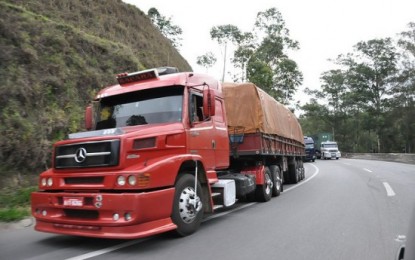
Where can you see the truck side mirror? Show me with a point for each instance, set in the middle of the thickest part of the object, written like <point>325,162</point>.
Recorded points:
<point>208,102</point>
<point>88,117</point>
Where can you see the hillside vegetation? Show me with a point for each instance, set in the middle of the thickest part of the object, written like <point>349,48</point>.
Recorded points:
<point>54,57</point>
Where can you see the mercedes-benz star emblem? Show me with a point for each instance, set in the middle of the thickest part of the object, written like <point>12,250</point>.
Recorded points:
<point>80,155</point>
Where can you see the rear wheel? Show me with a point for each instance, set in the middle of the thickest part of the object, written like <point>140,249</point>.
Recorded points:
<point>187,205</point>
<point>276,180</point>
<point>300,166</point>
<point>293,173</point>
<point>264,192</point>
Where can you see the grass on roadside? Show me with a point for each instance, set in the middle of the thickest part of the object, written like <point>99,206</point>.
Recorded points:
<point>13,214</point>
<point>15,203</point>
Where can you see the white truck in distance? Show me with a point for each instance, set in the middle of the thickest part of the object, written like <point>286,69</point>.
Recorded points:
<point>329,150</point>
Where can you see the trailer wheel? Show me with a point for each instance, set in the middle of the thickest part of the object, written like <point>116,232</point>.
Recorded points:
<point>264,192</point>
<point>276,180</point>
<point>293,173</point>
<point>300,169</point>
<point>187,206</point>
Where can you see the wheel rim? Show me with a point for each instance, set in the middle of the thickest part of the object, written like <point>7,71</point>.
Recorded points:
<point>268,184</point>
<point>278,183</point>
<point>189,205</point>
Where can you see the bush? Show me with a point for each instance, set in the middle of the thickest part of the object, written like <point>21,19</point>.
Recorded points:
<point>13,214</point>
<point>16,198</point>
<point>15,204</point>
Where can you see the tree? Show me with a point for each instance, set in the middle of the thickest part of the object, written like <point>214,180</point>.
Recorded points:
<point>225,34</point>
<point>244,52</point>
<point>207,60</point>
<point>286,80</point>
<point>405,99</point>
<point>165,26</point>
<point>371,70</point>
<point>272,51</point>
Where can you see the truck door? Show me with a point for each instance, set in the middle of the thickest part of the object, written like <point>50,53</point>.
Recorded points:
<point>200,136</point>
<point>220,136</point>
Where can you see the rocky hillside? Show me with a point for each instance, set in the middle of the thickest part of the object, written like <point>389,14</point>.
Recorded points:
<point>54,57</point>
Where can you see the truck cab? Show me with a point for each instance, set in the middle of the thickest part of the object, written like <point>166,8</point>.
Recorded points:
<point>121,178</point>
<point>310,151</point>
<point>329,150</point>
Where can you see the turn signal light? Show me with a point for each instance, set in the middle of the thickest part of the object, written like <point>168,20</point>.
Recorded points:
<point>143,179</point>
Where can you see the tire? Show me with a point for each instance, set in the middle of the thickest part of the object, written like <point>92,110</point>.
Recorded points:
<point>301,168</point>
<point>298,171</point>
<point>302,172</point>
<point>185,215</point>
<point>276,180</point>
<point>263,193</point>
<point>293,173</point>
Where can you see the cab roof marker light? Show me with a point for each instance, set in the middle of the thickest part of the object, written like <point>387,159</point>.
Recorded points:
<point>125,78</point>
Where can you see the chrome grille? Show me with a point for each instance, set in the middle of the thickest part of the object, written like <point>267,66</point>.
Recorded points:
<point>88,154</point>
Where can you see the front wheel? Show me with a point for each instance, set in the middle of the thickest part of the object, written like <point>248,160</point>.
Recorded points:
<point>187,205</point>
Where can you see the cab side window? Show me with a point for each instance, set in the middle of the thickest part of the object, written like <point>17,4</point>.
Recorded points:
<point>219,112</point>
<point>196,108</point>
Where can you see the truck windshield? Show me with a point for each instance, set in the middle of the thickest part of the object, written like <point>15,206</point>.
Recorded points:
<point>309,146</point>
<point>154,106</point>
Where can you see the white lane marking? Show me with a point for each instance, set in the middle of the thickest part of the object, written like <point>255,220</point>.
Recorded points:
<point>389,190</point>
<point>367,170</point>
<point>130,243</point>
<point>106,250</point>
<point>229,211</point>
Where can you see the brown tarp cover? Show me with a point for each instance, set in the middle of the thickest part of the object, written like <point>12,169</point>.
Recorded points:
<point>249,109</point>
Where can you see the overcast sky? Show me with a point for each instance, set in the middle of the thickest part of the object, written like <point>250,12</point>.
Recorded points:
<point>324,28</point>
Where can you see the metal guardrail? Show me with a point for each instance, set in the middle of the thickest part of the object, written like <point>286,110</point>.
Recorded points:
<point>390,157</point>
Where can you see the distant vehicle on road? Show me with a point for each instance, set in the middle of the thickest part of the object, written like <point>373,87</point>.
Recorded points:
<point>310,149</point>
<point>329,150</point>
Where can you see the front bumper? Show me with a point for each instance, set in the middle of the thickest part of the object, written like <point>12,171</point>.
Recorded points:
<point>331,155</point>
<point>95,214</point>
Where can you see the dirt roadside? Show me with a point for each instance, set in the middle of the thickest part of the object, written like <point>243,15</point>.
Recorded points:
<point>21,224</point>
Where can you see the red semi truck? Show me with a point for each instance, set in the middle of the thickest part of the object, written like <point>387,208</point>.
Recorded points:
<point>162,149</point>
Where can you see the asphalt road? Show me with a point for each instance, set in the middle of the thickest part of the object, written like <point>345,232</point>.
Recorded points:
<point>345,209</point>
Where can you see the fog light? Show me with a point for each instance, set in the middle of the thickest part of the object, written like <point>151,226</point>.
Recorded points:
<point>132,180</point>
<point>50,182</point>
<point>127,216</point>
<point>115,217</point>
<point>44,213</point>
<point>43,182</point>
<point>121,180</point>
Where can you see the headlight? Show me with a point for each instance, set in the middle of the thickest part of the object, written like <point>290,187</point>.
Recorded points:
<point>132,180</point>
<point>121,180</point>
<point>50,182</point>
<point>43,182</point>
<point>127,216</point>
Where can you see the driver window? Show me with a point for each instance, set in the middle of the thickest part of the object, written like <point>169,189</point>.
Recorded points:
<point>196,108</point>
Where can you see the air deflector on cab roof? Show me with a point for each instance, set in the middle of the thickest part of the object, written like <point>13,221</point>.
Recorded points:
<point>125,78</point>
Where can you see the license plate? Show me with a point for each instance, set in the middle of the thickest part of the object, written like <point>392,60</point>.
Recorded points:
<point>77,202</point>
